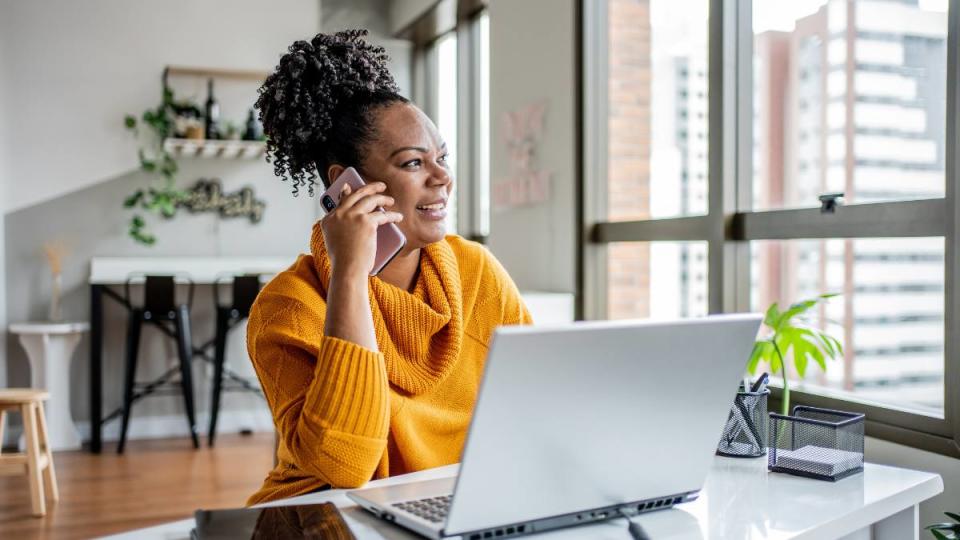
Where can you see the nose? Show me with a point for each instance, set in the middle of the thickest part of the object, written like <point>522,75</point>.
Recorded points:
<point>440,175</point>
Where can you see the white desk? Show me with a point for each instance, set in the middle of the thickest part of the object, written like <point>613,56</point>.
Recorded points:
<point>740,501</point>
<point>106,271</point>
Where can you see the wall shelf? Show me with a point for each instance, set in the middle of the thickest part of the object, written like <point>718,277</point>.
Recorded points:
<point>215,149</point>
<point>206,72</point>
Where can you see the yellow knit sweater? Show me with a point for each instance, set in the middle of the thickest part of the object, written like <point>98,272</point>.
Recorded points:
<point>346,414</point>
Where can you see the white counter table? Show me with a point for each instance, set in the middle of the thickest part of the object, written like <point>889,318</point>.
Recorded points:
<point>740,500</point>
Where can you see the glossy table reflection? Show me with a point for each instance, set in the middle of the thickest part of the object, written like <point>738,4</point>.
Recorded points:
<point>740,500</point>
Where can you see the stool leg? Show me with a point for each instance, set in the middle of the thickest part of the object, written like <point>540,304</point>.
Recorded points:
<point>185,348</point>
<point>220,346</point>
<point>49,473</point>
<point>130,375</point>
<point>3,417</point>
<point>34,476</point>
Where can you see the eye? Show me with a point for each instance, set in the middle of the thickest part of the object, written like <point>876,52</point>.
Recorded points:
<point>444,158</point>
<point>411,164</point>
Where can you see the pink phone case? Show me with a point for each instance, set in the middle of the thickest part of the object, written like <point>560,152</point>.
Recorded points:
<point>389,238</point>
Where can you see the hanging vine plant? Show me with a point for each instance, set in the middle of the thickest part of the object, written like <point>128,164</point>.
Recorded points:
<point>161,197</point>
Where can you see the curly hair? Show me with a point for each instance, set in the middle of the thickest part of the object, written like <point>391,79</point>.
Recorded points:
<point>317,106</point>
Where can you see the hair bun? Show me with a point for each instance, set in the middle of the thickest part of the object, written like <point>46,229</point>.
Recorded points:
<point>300,100</point>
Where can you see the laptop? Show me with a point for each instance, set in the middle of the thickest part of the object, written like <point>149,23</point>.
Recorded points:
<point>582,423</point>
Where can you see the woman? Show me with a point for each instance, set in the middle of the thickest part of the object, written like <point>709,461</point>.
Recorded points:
<point>368,377</point>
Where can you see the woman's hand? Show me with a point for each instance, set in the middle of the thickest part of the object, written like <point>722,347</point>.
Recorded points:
<point>350,231</point>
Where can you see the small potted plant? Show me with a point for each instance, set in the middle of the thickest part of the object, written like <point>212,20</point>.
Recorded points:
<point>946,531</point>
<point>792,335</point>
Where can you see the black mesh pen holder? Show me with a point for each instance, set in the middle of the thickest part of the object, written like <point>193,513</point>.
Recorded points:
<point>816,443</point>
<point>744,434</point>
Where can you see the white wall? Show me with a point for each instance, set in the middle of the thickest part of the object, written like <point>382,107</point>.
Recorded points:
<point>69,72</point>
<point>4,50</point>
<point>404,12</point>
<point>80,66</point>
<point>339,15</point>
<point>537,244</point>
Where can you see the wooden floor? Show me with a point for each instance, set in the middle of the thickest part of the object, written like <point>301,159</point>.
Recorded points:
<point>151,483</point>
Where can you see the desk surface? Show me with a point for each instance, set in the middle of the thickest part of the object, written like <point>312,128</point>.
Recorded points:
<point>740,500</point>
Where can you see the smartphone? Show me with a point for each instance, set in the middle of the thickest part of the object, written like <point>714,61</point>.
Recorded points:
<point>389,238</point>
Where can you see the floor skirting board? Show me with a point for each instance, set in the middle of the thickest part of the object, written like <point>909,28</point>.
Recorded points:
<point>174,425</point>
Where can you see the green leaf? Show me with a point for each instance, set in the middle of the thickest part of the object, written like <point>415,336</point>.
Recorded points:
<point>795,309</point>
<point>836,344</point>
<point>130,122</point>
<point>800,361</point>
<point>818,346</point>
<point>167,208</point>
<point>803,349</point>
<point>776,363</point>
<point>772,317</point>
<point>939,535</point>
<point>137,221</point>
<point>762,349</point>
<point>132,200</point>
<point>955,517</point>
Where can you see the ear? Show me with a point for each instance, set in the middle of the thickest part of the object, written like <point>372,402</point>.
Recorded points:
<point>333,172</point>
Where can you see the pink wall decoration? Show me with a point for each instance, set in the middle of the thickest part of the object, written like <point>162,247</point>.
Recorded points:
<point>525,183</point>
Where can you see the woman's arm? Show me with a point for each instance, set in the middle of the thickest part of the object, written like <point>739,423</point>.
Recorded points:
<point>350,235</point>
<point>329,397</point>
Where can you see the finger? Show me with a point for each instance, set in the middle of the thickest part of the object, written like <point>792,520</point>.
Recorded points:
<point>369,189</point>
<point>382,218</point>
<point>371,202</point>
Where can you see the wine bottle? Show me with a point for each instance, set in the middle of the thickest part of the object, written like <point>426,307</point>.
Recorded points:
<point>253,130</point>
<point>211,130</point>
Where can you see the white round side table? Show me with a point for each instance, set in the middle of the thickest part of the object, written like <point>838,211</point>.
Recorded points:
<point>50,347</point>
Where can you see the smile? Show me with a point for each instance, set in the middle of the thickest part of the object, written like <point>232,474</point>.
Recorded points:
<point>433,211</point>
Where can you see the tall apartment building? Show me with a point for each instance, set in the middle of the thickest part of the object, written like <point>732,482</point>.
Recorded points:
<point>853,101</point>
<point>657,161</point>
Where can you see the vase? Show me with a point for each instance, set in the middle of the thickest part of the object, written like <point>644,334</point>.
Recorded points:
<point>55,314</point>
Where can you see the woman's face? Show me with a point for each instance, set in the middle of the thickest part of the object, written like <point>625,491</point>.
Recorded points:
<point>409,156</point>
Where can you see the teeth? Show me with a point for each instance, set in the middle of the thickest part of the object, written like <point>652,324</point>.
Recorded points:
<point>436,206</point>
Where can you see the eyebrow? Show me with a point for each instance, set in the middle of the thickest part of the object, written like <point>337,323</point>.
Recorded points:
<point>417,148</point>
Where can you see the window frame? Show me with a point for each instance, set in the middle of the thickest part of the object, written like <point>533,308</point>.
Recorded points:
<point>731,224</point>
<point>470,219</point>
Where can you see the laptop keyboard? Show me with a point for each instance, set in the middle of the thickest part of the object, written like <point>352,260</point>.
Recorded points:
<point>432,509</point>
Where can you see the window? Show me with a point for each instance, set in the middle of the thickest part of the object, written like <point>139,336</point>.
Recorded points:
<point>656,124</point>
<point>443,56</point>
<point>889,316</point>
<point>801,100</point>
<point>656,165</point>
<point>455,93</point>
<point>871,121</point>
<point>656,280</point>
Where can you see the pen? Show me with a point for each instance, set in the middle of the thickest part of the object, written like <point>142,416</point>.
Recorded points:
<point>760,383</point>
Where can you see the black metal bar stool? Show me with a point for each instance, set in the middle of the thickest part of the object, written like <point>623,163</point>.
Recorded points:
<point>161,309</point>
<point>245,289</point>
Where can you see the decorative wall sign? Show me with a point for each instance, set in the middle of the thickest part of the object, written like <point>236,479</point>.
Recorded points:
<point>207,196</point>
<point>525,183</point>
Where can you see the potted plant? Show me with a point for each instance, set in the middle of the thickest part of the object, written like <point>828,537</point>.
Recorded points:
<point>946,531</point>
<point>791,335</point>
<point>161,198</point>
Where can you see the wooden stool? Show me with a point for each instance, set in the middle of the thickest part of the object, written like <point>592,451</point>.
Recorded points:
<point>37,461</point>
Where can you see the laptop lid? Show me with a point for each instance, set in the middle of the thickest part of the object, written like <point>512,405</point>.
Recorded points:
<point>596,414</point>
